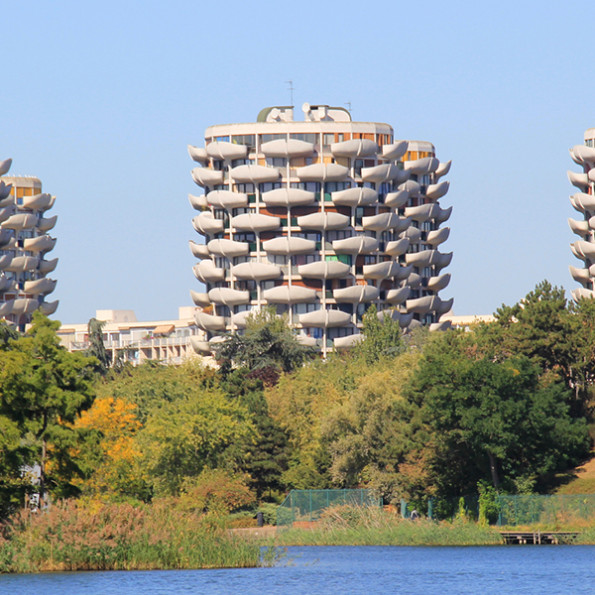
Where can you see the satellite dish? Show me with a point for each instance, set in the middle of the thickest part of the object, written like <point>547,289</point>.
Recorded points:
<point>306,108</point>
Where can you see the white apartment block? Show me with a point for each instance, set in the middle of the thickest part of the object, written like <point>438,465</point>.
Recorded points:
<point>319,219</point>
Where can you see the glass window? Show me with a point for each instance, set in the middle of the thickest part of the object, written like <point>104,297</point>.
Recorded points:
<point>244,139</point>
<point>309,138</point>
<point>265,138</point>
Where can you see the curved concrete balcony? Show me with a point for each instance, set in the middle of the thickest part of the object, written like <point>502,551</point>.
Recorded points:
<point>580,228</point>
<point>5,166</point>
<point>323,221</point>
<point>48,308</point>
<point>389,314</point>
<point>444,306</point>
<point>46,223</point>
<point>306,341</point>
<point>47,266</point>
<point>423,305</point>
<point>254,174</point>
<point>199,251</point>
<point>583,155</point>
<point>583,202</point>
<point>20,264</point>
<point>398,296</point>
<point>443,325</point>
<point>397,199</point>
<point>38,202</point>
<point>580,275</point>
<point>354,148</point>
<point>285,294</point>
<point>356,294</point>
<point>198,154</point>
<point>438,236</point>
<point>412,187</point>
<point>5,196</point>
<point>413,234</point>
<point>323,318</point>
<point>322,172</point>
<point>6,284</point>
<point>42,243</point>
<point>288,197</point>
<point>24,306</point>
<point>203,176</point>
<point>356,245</point>
<point>591,175</point>
<point>385,221</point>
<point>397,247</point>
<point>207,272</point>
<point>582,294</point>
<point>355,197</point>
<point>38,286</point>
<point>206,224</point>
<point>226,151</point>
<point>394,151</point>
<point>226,199</point>
<point>442,169</point>
<point>425,165</point>
<point>436,191</point>
<point>583,250</point>
<point>443,215</point>
<point>199,203</point>
<point>581,181</point>
<point>208,322</point>
<point>201,347</point>
<point>381,270</point>
<point>6,307</point>
<point>200,299</point>
<point>5,261</point>
<point>427,258</point>
<point>5,237</point>
<point>347,342</point>
<point>240,320</point>
<point>414,280</point>
<point>423,213</point>
<point>385,172</point>
<point>287,148</point>
<point>324,269</point>
<point>287,245</point>
<point>439,282</point>
<point>256,271</point>
<point>255,222</point>
<point>403,273</point>
<point>216,340</point>
<point>228,296</point>
<point>5,213</point>
<point>21,221</point>
<point>228,248</point>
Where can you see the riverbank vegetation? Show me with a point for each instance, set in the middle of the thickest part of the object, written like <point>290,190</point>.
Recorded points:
<point>507,404</point>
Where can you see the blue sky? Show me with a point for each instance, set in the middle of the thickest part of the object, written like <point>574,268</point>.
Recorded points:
<point>100,100</point>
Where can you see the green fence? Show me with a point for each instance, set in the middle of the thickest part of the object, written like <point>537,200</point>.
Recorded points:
<point>307,505</point>
<point>558,508</point>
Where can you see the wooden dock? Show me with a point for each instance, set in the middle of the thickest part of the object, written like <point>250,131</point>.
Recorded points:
<point>538,537</point>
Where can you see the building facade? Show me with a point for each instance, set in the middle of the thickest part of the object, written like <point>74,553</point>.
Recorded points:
<point>24,248</point>
<point>129,340</point>
<point>320,219</point>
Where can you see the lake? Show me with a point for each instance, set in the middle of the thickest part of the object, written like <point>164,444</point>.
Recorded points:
<point>428,570</point>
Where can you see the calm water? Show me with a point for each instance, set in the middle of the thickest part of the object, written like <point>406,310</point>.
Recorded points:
<point>443,570</point>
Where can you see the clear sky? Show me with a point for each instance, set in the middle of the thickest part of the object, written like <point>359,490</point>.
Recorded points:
<point>99,100</point>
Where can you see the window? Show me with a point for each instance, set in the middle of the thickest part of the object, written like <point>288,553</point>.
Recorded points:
<point>244,139</point>
<point>309,138</point>
<point>276,161</point>
<point>266,138</point>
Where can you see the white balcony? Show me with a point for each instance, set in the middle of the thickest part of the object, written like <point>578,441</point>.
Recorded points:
<point>583,202</point>
<point>6,307</point>
<point>323,318</point>
<point>294,294</point>
<point>46,223</point>
<point>436,191</point>
<point>348,341</point>
<point>208,322</point>
<point>48,308</point>
<point>583,250</point>
<point>228,296</point>
<point>385,172</point>
<point>288,197</point>
<point>226,199</point>
<point>206,224</point>
<point>200,299</point>
<point>5,166</point>
<point>40,286</point>
<point>322,172</point>
<point>425,165</point>
<point>357,294</point>
<point>324,269</point>
<point>256,271</point>
<point>381,270</point>
<point>439,282</point>
<point>5,260</point>
<point>254,174</point>
<point>199,250</point>
<point>442,169</point>
<point>581,181</point>
<point>580,228</point>
<point>355,197</point>
<point>21,221</point>
<point>287,245</point>
<point>206,272</point>
<point>200,346</point>
<point>205,177</point>
<point>38,202</point>
<point>255,222</point>
<point>385,221</point>
<point>397,199</point>
<point>580,275</point>
<point>359,244</point>
<point>582,294</point>
<point>413,234</point>
<point>438,236</point>
<point>354,148</point>
<point>583,155</point>
<point>411,187</point>
<point>47,266</point>
<point>394,151</point>
<point>24,306</point>
<point>287,149</point>
<point>226,151</point>
<point>323,221</point>
<point>228,248</point>
<point>423,305</point>
<point>198,203</point>
<point>42,243</point>
<point>398,296</point>
<point>20,264</point>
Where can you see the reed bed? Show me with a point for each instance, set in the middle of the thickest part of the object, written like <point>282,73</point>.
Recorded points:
<point>352,525</point>
<point>83,536</point>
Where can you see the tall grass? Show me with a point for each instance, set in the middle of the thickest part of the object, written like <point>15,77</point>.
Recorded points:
<point>352,525</point>
<point>83,536</point>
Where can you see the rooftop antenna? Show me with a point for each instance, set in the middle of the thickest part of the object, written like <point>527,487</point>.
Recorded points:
<point>291,89</point>
<point>348,104</point>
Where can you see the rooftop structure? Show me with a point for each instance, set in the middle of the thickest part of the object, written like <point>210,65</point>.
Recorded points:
<point>320,219</point>
<point>24,248</point>
<point>127,339</point>
<point>584,202</point>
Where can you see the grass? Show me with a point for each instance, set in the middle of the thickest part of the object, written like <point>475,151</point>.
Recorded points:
<point>83,536</point>
<point>583,481</point>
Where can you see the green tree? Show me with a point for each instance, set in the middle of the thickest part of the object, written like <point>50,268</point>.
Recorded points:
<point>382,338</point>
<point>43,388</point>
<point>96,346</point>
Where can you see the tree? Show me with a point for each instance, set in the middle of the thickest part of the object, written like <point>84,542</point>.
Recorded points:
<point>96,346</point>
<point>382,338</point>
<point>267,342</point>
<point>43,388</point>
